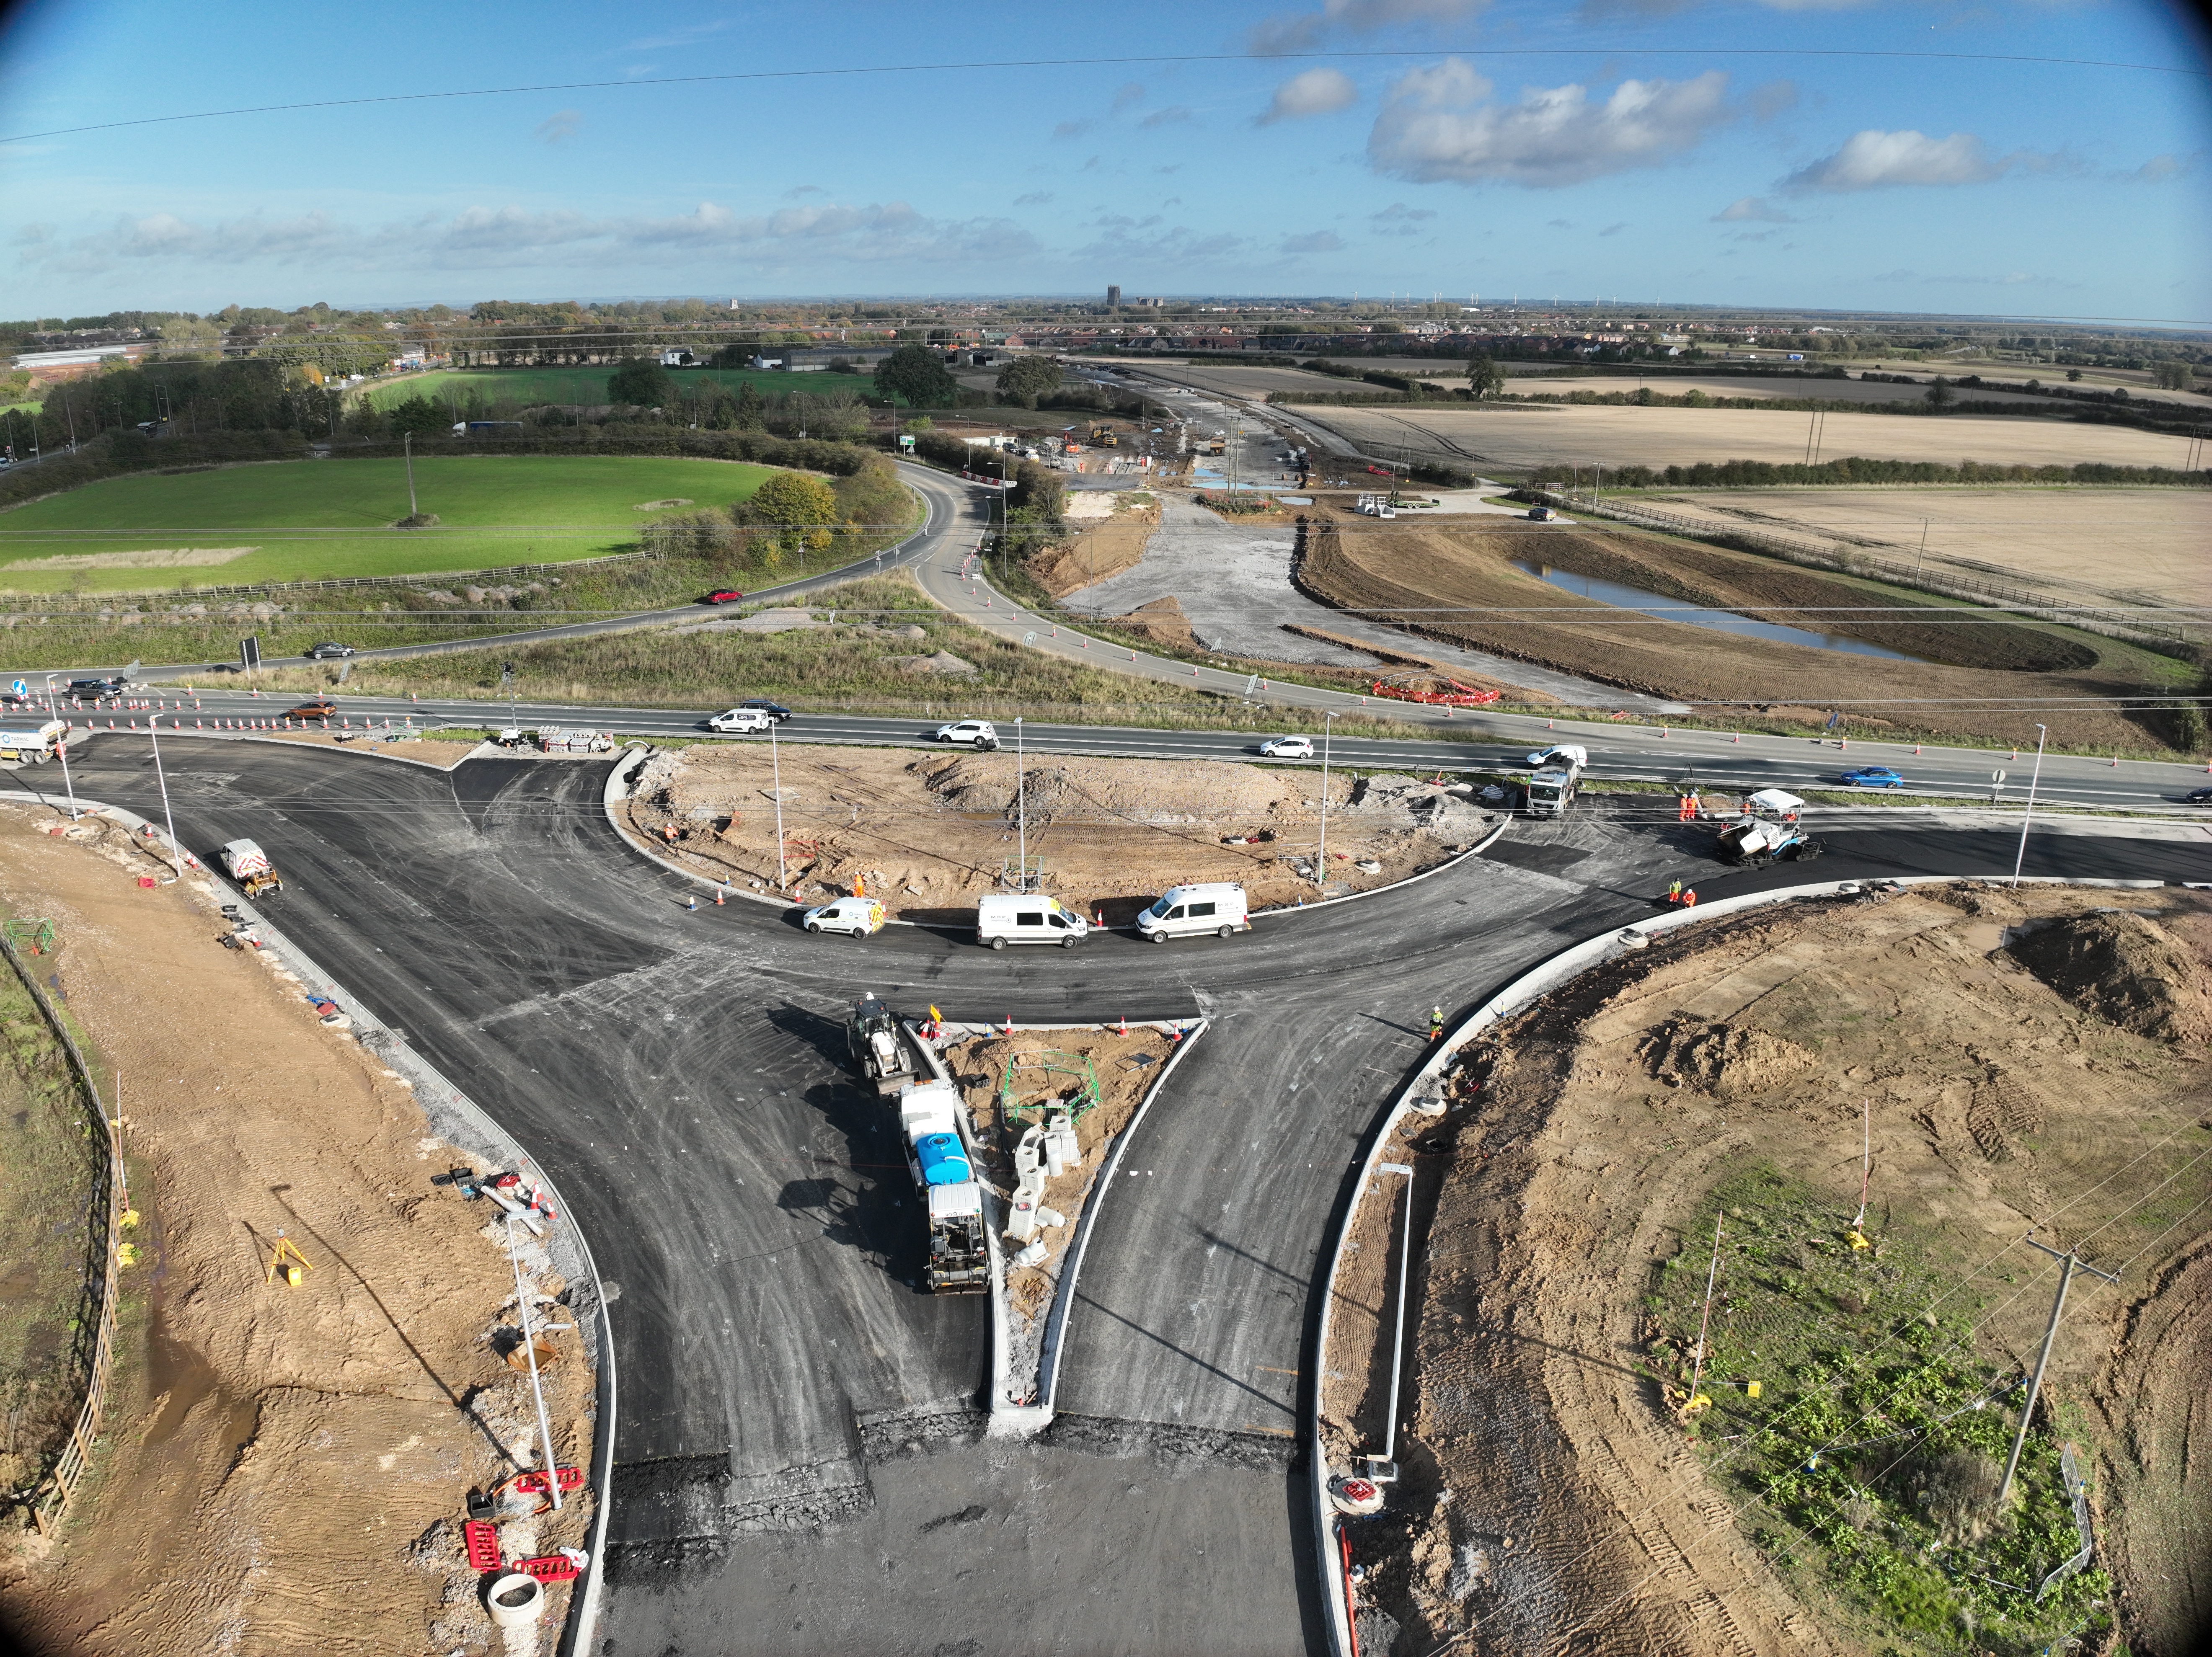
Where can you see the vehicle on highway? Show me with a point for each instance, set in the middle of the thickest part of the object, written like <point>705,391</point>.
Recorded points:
<point>2197,797</point>
<point>1566,754</point>
<point>1028,918</point>
<point>775,711</point>
<point>723,596</point>
<point>1218,908</point>
<point>249,866</point>
<point>741,719</point>
<point>1542,514</point>
<point>979,734</point>
<point>952,1200</point>
<point>1768,832</point>
<point>32,740</point>
<point>113,685</point>
<point>1872,776</point>
<point>329,650</point>
<point>1288,748</point>
<point>857,917</point>
<point>315,707</point>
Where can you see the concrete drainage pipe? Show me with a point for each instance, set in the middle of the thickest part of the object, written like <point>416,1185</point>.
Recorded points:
<point>515,1600</point>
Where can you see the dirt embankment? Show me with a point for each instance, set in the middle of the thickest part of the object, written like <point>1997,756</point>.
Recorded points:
<point>2012,1059</point>
<point>929,834</point>
<point>1405,571</point>
<point>281,1470</point>
<point>1110,529</point>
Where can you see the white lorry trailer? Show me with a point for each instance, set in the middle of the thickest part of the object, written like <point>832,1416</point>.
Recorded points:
<point>31,741</point>
<point>951,1197</point>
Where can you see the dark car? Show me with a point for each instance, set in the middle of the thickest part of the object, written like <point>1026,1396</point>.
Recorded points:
<point>2197,797</point>
<point>315,707</point>
<point>111,686</point>
<point>775,711</point>
<point>726,596</point>
<point>1874,776</point>
<point>328,650</point>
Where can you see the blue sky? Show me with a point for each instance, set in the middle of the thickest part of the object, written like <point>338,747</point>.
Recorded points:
<point>1660,150</point>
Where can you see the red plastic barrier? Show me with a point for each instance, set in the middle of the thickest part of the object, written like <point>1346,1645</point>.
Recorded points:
<point>1461,696</point>
<point>548,1568</point>
<point>481,1541</point>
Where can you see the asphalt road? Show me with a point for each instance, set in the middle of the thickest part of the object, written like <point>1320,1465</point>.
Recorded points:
<point>798,1445</point>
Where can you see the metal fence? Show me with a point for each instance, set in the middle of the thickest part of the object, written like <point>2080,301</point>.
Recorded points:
<point>92,1355</point>
<point>2123,624</point>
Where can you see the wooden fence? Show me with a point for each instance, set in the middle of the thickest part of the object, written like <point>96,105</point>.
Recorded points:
<point>93,1348</point>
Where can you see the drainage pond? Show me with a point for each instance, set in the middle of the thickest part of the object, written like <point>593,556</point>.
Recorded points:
<point>1721,621</point>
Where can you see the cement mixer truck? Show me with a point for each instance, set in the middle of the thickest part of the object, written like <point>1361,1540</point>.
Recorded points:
<point>951,1197</point>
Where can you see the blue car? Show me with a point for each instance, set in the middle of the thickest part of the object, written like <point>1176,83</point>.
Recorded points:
<point>1874,776</point>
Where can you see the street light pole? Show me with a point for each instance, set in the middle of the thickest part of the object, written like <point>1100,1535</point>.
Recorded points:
<point>176,855</point>
<point>2020,856</point>
<point>1021,805</point>
<point>1321,863</point>
<point>407,443</point>
<point>1383,1469</point>
<point>775,763</point>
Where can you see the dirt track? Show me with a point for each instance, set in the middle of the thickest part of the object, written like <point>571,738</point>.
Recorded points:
<point>2053,1075</point>
<point>1422,564</point>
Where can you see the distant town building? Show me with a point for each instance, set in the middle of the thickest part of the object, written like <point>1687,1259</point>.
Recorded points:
<point>1113,295</point>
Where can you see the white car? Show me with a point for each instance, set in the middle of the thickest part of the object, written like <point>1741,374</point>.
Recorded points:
<point>742,719</point>
<point>1288,748</point>
<point>856,916</point>
<point>977,733</point>
<point>1564,754</point>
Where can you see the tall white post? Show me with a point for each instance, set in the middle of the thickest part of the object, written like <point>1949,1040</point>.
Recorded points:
<point>2020,856</point>
<point>1321,863</point>
<point>176,855</point>
<point>775,762</point>
<point>1021,805</point>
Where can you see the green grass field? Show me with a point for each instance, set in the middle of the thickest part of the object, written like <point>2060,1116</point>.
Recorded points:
<point>589,385</point>
<point>293,518</point>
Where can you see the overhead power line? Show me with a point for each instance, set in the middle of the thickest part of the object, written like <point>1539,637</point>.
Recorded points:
<point>985,64</point>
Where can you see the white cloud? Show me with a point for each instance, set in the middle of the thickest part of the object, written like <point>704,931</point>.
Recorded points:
<point>1874,159</point>
<point>1301,31</point>
<point>1035,198</point>
<point>1168,117</point>
<point>485,238</point>
<point>1441,124</point>
<point>562,123</point>
<point>1751,209</point>
<point>1313,241</point>
<point>1317,91</point>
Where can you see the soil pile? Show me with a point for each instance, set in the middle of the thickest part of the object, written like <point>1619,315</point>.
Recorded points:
<point>1159,623</point>
<point>929,833</point>
<point>1555,1492</point>
<point>281,1469</point>
<point>1116,525</point>
<point>2125,968</point>
<point>1400,573</point>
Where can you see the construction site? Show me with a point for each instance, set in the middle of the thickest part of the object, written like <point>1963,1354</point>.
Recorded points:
<point>1732,1293</point>
<point>314,1389</point>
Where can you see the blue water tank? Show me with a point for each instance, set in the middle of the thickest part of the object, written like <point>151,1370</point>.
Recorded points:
<point>943,1161</point>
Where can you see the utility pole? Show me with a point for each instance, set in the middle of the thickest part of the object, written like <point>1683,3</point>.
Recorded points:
<point>2070,1263</point>
<point>407,445</point>
<point>1321,863</point>
<point>176,852</point>
<point>2020,856</point>
<point>775,764</point>
<point>1021,805</point>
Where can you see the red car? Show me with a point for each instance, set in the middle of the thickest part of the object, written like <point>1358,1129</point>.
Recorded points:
<point>727,595</point>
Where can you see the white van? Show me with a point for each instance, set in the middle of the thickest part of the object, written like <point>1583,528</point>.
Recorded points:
<point>1029,918</point>
<point>1190,911</point>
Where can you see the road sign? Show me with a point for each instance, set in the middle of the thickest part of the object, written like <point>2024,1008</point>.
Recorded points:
<point>21,689</point>
<point>1996,776</point>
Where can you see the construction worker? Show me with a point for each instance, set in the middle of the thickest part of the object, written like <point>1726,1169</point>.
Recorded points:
<point>1691,809</point>
<point>1435,1024</point>
<point>1690,899</point>
<point>1673,894</point>
<point>1682,808</point>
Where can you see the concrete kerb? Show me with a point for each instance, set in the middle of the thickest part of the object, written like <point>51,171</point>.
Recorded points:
<point>278,742</point>
<point>1529,987</point>
<point>469,1127</point>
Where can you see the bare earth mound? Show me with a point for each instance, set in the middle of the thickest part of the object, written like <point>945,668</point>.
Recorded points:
<point>1563,1491</point>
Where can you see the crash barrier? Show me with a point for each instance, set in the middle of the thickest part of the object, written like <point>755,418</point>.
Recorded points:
<point>92,1353</point>
<point>472,1130</point>
<point>1331,1544</point>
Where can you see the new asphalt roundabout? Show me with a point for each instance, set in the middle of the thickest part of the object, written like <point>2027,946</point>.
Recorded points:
<point>800,1460</point>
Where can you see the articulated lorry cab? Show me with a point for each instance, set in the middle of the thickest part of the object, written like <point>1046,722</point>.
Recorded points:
<point>1551,787</point>
<point>929,1126</point>
<point>31,742</point>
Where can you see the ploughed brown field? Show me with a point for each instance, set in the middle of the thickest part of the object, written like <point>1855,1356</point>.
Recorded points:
<point>1986,679</point>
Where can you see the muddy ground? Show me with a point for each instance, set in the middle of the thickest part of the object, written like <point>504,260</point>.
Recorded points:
<point>1408,568</point>
<point>2023,1058</point>
<point>1111,529</point>
<point>930,834</point>
<point>281,1470</point>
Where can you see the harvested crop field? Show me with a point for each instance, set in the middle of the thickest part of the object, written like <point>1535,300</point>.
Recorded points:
<point>2139,546</point>
<point>2013,1060</point>
<point>929,833</point>
<point>1514,436</point>
<point>1414,571</point>
<point>279,1469</point>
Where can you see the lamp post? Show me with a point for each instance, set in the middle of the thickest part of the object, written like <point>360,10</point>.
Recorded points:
<point>1021,805</point>
<point>775,764</point>
<point>2020,856</point>
<point>407,445</point>
<point>1383,1469</point>
<point>1321,863</point>
<point>176,856</point>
